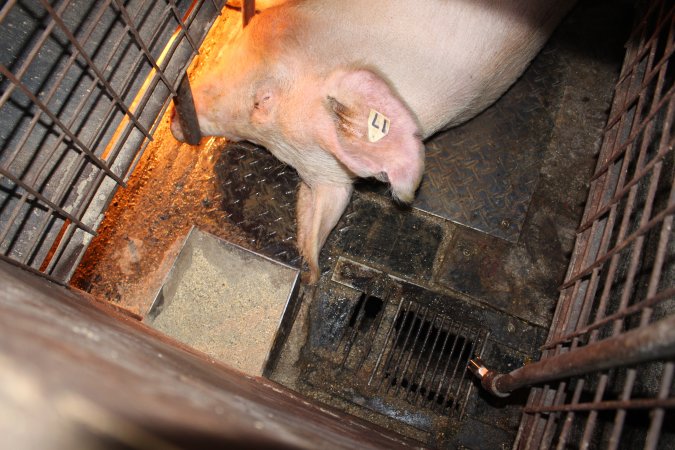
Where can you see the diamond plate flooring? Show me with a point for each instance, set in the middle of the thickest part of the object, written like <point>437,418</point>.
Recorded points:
<point>483,174</point>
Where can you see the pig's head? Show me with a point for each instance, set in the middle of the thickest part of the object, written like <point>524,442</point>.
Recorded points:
<point>330,122</point>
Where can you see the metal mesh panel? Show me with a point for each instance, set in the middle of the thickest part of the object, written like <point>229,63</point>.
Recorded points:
<point>82,85</point>
<point>621,274</point>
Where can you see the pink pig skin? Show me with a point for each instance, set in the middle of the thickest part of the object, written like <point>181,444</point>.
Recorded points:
<point>302,78</point>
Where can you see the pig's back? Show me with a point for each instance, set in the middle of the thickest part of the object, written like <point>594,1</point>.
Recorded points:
<point>448,59</point>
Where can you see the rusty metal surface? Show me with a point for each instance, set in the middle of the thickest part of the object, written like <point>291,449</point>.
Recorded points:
<point>621,276</point>
<point>640,345</point>
<point>76,375</point>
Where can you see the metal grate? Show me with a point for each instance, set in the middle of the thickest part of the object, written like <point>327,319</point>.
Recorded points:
<point>424,359</point>
<point>82,85</point>
<point>621,274</point>
<point>398,346</point>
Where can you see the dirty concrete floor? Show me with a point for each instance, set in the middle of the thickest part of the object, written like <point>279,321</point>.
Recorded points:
<point>490,267</point>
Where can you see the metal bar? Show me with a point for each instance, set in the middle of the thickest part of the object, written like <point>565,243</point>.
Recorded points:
<point>393,342</point>
<point>461,380</point>
<point>430,398</point>
<point>30,57</point>
<point>634,134</point>
<point>139,41</point>
<point>186,112</point>
<point>46,201</point>
<point>183,27</point>
<point>421,353</point>
<point>6,8</point>
<point>654,341</point>
<point>635,403</point>
<point>468,391</point>
<point>634,308</point>
<point>30,269</point>
<point>629,240</point>
<point>371,336</point>
<point>361,305</point>
<point>386,340</point>
<point>248,11</point>
<point>431,353</point>
<point>100,163</point>
<point>413,316</point>
<point>91,65</point>
<point>622,192</point>
<point>442,377</point>
<point>412,347</point>
<point>657,414</point>
<point>640,50</point>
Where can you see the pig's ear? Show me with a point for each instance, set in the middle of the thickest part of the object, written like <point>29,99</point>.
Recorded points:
<point>372,132</point>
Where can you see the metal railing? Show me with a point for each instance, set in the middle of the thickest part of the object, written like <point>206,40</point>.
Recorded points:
<point>83,86</point>
<point>620,280</point>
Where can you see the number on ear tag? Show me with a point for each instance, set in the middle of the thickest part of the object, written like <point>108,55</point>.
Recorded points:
<point>378,126</point>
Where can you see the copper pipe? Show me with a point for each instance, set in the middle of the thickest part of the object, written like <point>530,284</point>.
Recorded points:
<point>655,341</point>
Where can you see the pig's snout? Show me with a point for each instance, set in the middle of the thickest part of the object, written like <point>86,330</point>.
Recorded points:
<point>184,123</point>
<point>174,125</point>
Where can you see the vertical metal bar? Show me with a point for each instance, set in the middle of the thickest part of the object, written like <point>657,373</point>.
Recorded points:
<point>437,394</point>
<point>186,112</point>
<point>431,354</point>
<point>361,305</point>
<point>248,11</point>
<point>431,395</point>
<point>394,341</point>
<point>421,353</point>
<point>371,336</point>
<point>413,315</point>
<point>412,348</point>
<point>386,341</point>
<point>657,414</point>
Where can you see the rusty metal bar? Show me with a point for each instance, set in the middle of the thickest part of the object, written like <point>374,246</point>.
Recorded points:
<point>248,11</point>
<point>654,341</point>
<point>633,309</point>
<point>657,219</point>
<point>412,315</point>
<point>635,403</point>
<point>421,353</point>
<point>186,112</point>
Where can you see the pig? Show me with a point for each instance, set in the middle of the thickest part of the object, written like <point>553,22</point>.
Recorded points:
<point>341,89</point>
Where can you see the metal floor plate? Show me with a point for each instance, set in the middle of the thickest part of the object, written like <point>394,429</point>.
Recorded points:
<point>483,174</point>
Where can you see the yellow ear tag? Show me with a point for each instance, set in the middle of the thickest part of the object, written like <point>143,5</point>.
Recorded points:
<point>378,126</point>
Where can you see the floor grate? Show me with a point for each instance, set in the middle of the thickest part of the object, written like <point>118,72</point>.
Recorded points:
<point>403,350</point>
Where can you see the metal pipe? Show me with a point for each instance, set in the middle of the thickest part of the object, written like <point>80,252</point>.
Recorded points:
<point>248,11</point>
<point>186,112</point>
<point>655,341</point>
